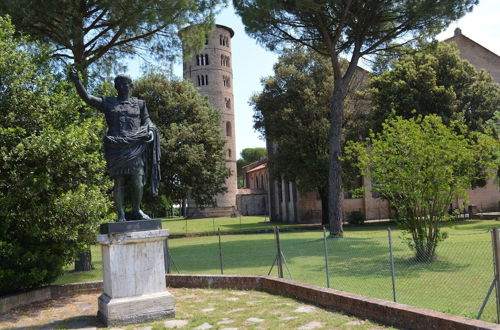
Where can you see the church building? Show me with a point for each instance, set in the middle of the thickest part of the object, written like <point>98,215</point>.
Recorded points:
<point>284,203</point>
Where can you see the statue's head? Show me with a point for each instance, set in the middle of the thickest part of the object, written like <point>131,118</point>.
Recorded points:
<point>123,83</point>
<point>121,78</point>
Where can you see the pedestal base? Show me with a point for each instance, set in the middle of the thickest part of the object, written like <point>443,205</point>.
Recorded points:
<point>134,277</point>
<point>134,310</point>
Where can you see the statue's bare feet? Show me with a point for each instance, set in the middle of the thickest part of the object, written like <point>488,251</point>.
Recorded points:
<point>121,216</point>
<point>140,215</point>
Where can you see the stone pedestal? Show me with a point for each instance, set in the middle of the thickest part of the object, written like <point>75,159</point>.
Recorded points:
<point>134,278</point>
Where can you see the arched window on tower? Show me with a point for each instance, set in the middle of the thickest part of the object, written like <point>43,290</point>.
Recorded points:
<point>228,128</point>
<point>229,154</point>
<point>220,39</point>
<point>228,103</point>
<point>202,80</point>
<point>202,59</point>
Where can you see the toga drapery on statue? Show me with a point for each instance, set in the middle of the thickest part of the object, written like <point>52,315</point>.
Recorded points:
<point>131,145</point>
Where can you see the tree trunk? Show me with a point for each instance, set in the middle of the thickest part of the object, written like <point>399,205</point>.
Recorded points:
<point>323,193</point>
<point>84,262</point>
<point>335,215</point>
<point>425,251</point>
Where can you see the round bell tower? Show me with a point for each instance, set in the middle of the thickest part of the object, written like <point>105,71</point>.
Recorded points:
<point>210,70</point>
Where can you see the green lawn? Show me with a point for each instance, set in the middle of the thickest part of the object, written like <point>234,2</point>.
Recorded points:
<point>457,282</point>
<point>209,226</point>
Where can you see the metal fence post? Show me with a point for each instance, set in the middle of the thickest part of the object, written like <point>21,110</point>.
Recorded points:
<point>278,252</point>
<point>393,272</point>
<point>496,260</point>
<point>326,259</point>
<point>220,254</point>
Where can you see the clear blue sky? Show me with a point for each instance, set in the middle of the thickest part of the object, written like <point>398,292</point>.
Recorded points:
<point>251,61</point>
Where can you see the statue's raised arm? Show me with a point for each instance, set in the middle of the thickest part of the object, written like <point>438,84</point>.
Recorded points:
<point>91,100</point>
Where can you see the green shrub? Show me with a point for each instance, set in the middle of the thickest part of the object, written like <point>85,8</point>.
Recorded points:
<point>356,218</point>
<point>52,182</point>
<point>420,166</point>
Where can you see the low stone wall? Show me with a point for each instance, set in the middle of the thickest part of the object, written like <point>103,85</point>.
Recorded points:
<point>50,292</point>
<point>383,311</point>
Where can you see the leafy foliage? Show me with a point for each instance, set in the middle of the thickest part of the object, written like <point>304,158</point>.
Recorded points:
<point>248,156</point>
<point>335,27</point>
<point>435,80</point>
<point>420,165</point>
<point>356,218</point>
<point>193,150</point>
<point>52,184</point>
<point>104,31</point>
<point>293,112</point>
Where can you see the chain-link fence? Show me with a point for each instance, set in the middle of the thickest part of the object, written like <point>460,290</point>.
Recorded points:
<point>380,265</point>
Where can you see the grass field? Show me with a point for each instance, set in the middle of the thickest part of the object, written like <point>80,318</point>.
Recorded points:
<point>456,282</point>
<point>209,226</point>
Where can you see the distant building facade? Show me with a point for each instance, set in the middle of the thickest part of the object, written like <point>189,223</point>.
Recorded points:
<point>479,56</point>
<point>253,199</point>
<point>210,70</point>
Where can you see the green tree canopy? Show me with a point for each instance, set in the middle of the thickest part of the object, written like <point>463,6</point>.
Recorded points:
<point>89,31</point>
<point>335,27</point>
<point>435,80</point>
<point>248,156</point>
<point>193,151</point>
<point>293,113</point>
<point>420,165</point>
<point>52,183</point>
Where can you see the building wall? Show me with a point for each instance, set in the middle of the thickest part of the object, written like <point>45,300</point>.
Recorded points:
<point>486,198</point>
<point>257,179</point>
<point>219,91</point>
<point>308,207</point>
<point>253,203</point>
<point>479,56</point>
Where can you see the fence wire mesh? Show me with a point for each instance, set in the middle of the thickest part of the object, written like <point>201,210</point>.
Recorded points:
<point>455,282</point>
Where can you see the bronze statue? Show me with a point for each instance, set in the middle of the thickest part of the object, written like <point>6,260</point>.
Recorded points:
<point>130,145</point>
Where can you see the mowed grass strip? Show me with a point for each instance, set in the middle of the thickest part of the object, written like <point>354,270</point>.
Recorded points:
<point>210,226</point>
<point>456,282</point>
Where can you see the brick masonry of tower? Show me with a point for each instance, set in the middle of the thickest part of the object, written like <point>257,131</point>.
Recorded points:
<point>210,70</point>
